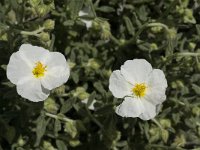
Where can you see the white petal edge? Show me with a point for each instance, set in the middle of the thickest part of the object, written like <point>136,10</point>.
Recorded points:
<point>136,70</point>
<point>32,89</point>
<point>149,112</point>
<point>118,85</point>
<point>130,107</point>
<point>32,54</point>
<point>157,85</point>
<point>17,68</point>
<point>57,71</point>
<point>157,79</point>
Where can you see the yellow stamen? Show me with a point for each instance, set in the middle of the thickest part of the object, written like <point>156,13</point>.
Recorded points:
<point>39,70</point>
<point>139,89</point>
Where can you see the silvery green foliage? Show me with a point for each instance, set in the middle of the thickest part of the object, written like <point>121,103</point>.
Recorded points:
<point>164,32</point>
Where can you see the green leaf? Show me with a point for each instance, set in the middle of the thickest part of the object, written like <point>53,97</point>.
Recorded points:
<point>107,109</point>
<point>61,145</point>
<point>196,88</point>
<point>129,26</point>
<point>75,6</point>
<point>99,87</point>
<point>67,105</point>
<point>57,127</point>
<point>40,128</point>
<point>91,98</point>
<point>106,9</point>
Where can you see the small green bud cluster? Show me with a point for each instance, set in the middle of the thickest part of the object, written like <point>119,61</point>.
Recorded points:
<point>185,12</point>
<point>51,106</point>
<point>103,26</point>
<point>153,46</point>
<point>94,63</point>
<point>81,93</point>
<point>48,146</point>
<point>156,29</point>
<point>41,8</point>
<point>178,84</point>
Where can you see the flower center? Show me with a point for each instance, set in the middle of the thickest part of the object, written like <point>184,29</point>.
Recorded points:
<point>139,89</point>
<point>39,70</point>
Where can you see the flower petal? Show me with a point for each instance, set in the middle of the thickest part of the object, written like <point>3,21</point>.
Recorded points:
<point>157,79</point>
<point>149,110</point>
<point>32,54</point>
<point>57,71</point>
<point>136,71</point>
<point>157,86</point>
<point>32,89</point>
<point>17,68</point>
<point>130,107</point>
<point>118,85</point>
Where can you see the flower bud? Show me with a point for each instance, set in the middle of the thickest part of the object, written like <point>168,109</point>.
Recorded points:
<point>74,143</point>
<point>165,123</point>
<point>70,128</point>
<point>4,37</point>
<point>179,141</point>
<point>184,3</point>
<point>34,3</point>
<point>81,93</point>
<point>179,10</point>
<point>153,46</point>
<point>171,34</point>
<point>180,84</point>
<point>49,24</point>
<point>164,135</point>
<point>71,64</point>
<point>155,134</point>
<point>59,90</point>
<point>153,131</point>
<point>107,73</point>
<point>44,36</point>
<point>105,27</point>
<point>96,24</point>
<point>122,41</point>
<point>192,45</point>
<point>196,111</point>
<point>94,63</point>
<point>48,146</point>
<point>21,142</point>
<point>42,10</point>
<point>188,16</point>
<point>156,29</point>
<point>50,106</point>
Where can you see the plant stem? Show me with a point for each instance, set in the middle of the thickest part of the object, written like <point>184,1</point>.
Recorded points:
<point>65,119</point>
<point>158,24</point>
<point>157,123</point>
<point>188,54</point>
<point>34,33</point>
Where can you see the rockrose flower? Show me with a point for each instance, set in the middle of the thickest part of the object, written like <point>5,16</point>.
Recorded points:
<point>36,71</point>
<point>142,88</point>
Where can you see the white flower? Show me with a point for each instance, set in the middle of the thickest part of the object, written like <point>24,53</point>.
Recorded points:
<point>36,71</point>
<point>142,88</point>
<point>88,23</point>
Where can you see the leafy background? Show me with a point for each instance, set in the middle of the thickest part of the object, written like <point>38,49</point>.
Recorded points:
<point>164,32</point>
